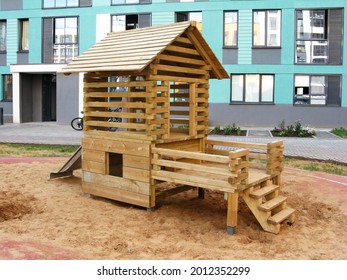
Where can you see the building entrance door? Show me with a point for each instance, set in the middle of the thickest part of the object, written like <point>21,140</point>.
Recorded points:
<point>49,98</point>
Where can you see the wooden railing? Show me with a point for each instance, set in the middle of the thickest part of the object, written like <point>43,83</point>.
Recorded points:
<point>267,156</point>
<point>215,172</point>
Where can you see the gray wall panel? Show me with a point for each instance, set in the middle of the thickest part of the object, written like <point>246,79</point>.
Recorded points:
<point>3,59</point>
<point>22,58</point>
<point>230,56</point>
<point>266,56</point>
<point>7,5</point>
<point>67,98</point>
<point>271,115</point>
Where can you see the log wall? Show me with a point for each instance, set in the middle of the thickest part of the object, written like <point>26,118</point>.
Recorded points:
<point>117,169</point>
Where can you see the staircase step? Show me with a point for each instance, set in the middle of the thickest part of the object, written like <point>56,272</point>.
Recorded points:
<point>281,216</point>
<point>273,203</point>
<point>259,193</point>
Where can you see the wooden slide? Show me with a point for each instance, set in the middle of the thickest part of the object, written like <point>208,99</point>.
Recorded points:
<point>74,162</point>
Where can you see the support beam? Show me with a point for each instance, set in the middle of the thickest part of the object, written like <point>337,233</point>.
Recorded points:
<point>232,212</point>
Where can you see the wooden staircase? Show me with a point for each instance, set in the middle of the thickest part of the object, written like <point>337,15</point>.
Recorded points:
<point>268,206</point>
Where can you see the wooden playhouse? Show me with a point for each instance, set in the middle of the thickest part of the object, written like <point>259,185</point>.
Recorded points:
<point>146,122</point>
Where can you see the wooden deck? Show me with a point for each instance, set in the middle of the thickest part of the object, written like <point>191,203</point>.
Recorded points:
<point>231,172</point>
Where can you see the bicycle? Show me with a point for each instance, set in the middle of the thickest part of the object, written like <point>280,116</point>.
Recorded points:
<point>77,123</point>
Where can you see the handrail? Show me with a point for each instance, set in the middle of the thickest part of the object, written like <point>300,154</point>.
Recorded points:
<point>224,173</point>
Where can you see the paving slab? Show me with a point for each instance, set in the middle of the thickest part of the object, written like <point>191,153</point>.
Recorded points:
<point>325,146</point>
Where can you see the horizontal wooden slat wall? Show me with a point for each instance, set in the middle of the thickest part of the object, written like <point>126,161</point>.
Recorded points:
<point>129,105</point>
<point>186,70</point>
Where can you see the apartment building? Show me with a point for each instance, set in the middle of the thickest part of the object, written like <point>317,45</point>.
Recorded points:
<point>285,58</point>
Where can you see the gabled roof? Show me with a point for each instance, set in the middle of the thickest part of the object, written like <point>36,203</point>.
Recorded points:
<point>133,50</point>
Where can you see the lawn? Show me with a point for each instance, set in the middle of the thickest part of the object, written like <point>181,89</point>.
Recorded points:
<point>342,132</point>
<point>36,150</point>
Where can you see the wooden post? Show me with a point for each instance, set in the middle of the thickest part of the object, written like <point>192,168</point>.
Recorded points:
<point>192,106</point>
<point>233,204</point>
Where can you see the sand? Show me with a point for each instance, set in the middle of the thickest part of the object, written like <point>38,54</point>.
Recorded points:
<point>42,219</point>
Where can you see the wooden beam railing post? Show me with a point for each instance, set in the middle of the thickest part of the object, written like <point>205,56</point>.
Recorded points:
<point>275,158</point>
<point>239,167</point>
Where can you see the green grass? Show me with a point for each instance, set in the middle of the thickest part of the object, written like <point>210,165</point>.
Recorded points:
<point>314,165</point>
<point>38,150</point>
<point>32,150</point>
<point>342,132</point>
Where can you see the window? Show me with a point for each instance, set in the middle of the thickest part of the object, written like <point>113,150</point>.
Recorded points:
<point>132,21</point>
<point>252,88</point>
<point>66,3</point>
<point>190,16</point>
<point>267,28</point>
<point>7,87</point>
<point>23,35</point>
<point>230,29</point>
<point>65,39</point>
<point>2,36</point>
<point>124,2</point>
<point>311,36</point>
<point>324,90</point>
<point>319,36</point>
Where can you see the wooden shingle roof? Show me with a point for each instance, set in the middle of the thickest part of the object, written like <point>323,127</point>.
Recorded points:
<point>133,50</point>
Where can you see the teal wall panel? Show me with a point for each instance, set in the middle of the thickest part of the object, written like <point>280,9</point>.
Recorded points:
<point>245,37</point>
<point>160,18</point>
<point>213,35</point>
<point>287,40</point>
<point>35,44</point>
<point>12,41</point>
<point>87,32</point>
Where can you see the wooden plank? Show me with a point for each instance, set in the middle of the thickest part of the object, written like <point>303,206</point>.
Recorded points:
<point>135,105</point>
<point>108,114</point>
<point>184,40</point>
<point>233,204</point>
<point>273,203</point>
<point>179,69</point>
<point>192,113</point>
<point>191,155</point>
<point>173,58</point>
<point>222,171</point>
<point>117,146</point>
<point>173,191</point>
<point>93,166</point>
<point>120,94</point>
<point>187,145</point>
<point>106,123</point>
<point>281,216</point>
<point>237,144</point>
<point>92,155</point>
<point>117,194</point>
<point>116,182</point>
<point>259,193</point>
<point>197,181</point>
<point>183,50</point>
<point>136,162</point>
<point>136,174</point>
<point>175,78</point>
<point>107,84</point>
<point>120,135</point>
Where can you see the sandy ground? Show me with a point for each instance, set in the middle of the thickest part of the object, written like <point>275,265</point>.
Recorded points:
<point>42,219</point>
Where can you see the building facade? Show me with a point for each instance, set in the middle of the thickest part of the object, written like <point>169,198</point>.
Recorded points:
<point>285,58</point>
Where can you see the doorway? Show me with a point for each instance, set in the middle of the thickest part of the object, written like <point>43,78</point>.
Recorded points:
<point>49,97</point>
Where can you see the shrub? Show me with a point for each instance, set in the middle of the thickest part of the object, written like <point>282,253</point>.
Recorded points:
<point>296,129</point>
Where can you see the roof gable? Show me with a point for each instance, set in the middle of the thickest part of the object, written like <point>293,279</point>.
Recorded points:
<point>133,50</point>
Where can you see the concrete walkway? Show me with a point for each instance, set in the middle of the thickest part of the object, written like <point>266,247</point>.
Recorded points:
<point>325,146</point>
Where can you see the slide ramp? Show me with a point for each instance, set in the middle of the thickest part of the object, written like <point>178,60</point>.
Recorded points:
<point>73,163</point>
